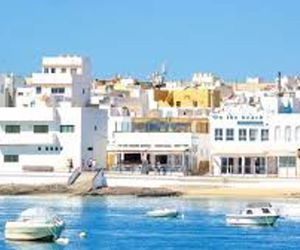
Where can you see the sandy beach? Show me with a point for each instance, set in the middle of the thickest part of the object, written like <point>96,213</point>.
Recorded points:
<point>150,192</point>
<point>154,186</point>
<point>214,186</point>
<point>239,192</point>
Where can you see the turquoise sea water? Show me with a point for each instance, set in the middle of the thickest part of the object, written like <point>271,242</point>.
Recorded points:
<point>120,223</point>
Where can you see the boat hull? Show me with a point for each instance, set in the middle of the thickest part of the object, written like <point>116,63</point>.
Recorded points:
<point>163,214</point>
<point>32,232</point>
<point>252,220</point>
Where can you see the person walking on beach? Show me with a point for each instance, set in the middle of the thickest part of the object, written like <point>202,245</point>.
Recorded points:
<point>94,164</point>
<point>70,165</point>
<point>90,164</point>
<point>158,167</point>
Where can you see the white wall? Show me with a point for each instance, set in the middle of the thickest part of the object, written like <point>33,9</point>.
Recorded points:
<point>152,141</point>
<point>55,147</point>
<point>94,135</point>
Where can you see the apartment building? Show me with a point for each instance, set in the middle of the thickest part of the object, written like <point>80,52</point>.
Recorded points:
<point>52,124</point>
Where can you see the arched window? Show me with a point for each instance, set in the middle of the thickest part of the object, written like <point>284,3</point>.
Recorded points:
<point>297,133</point>
<point>277,133</point>
<point>288,134</point>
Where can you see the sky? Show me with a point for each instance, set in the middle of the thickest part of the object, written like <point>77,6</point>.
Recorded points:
<point>231,38</point>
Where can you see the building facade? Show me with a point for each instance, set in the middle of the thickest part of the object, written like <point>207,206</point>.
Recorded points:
<point>177,144</point>
<point>47,139</point>
<point>52,126</point>
<point>252,142</point>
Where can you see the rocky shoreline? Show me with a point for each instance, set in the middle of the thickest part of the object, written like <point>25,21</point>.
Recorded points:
<point>13,189</point>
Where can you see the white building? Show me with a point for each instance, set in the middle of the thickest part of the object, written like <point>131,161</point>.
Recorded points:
<point>45,138</point>
<point>177,144</point>
<point>248,141</point>
<point>8,85</point>
<point>64,81</point>
<point>52,125</point>
<point>207,80</point>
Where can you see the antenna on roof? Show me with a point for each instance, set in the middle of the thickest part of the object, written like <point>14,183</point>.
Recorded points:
<point>158,78</point>
<point>163,73</point>
<point>279,87</point>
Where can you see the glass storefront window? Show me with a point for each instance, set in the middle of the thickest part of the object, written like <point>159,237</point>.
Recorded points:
<point>287,161</point>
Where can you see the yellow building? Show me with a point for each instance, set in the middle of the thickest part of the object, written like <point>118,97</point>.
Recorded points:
<point>188,98</point>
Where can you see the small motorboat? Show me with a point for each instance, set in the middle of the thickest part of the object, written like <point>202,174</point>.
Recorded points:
<point>163,213</point>
<point>35,224</point>
<point>256,214</point>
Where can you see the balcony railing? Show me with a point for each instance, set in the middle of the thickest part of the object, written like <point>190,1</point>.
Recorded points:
<point>28,139</point>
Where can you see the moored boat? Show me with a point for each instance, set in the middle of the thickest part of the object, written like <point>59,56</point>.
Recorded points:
<point>256,214</point>
<point>165,212</point>
<point>35,224</point>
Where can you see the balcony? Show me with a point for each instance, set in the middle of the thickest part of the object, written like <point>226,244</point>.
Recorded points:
<point>154,141</point>
<point>23,139</point>
<point>41,78</point>
<point>57,78</point>
<point>19,114</point>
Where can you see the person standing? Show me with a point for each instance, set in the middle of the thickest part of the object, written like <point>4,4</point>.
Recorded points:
<point>70,165</point>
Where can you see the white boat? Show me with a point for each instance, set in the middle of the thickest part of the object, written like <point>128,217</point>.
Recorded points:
<point>256,214</point>
<point>35,224</point>
<point>165,212</point>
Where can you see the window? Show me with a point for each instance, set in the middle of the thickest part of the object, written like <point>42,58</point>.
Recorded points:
<point>265,134</point>
<point>260,165</point>
<point>218,134</point>
<point>253,134</point>
<point>39,148</point>
<point>178,104</point>
<point>38,90</point>
<point>83,91</point>
<point>249,212</point>
<point>12,129</point>
<point>56,148</point>
<point>40,129</point>
<point>202,127</point>
<point>242,134</point>
<point>229,134</point>
<point>46,148</point>
<point>46,70</point>
<point>195,104</point>
<point>297,132</point>
<point>51,148</point>
<point>288,133</point>
<point>61,148</point>
<point>90,148</point>
<point>11,158</point>
<point>265,210</point>
<point>57,90</point>
<point>67,128</point>
<point>73,70</point>
<point>63,70</point>
<point>52,70</point>
<point>277,133</point>
<point>95,128</point>
<point>224,163</point>
<point>20,93</point>
<point>287,161</point>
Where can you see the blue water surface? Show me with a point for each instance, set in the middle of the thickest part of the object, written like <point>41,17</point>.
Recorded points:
<point>120,223</point>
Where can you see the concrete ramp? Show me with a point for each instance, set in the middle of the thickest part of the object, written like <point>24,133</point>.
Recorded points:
<point>73,177</point>
<point>83,184</point>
